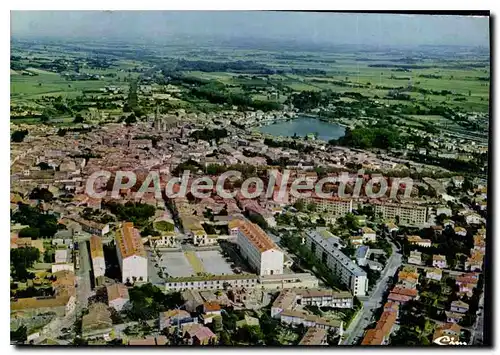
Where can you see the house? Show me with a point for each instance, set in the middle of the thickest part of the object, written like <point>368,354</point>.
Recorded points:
<point>474,218</point>
<point>97,256</point>
<point>356,241</point>
<point>439,261</point>
<point>381,333</point>
<point>369,235</point>
<point>466,283</point>
<point>61,256</point>
<point>451,330</point>
<point>415,257</point>
<point>166,240</point>
<point>175,318</point>
<point>373,337</point>
<point>475,261</point>
<point>443,210</point>
<point>457,181</point>
<point>247,321</point>
<point>391,306</point>
<point>460,231</point>
<point>192,300</point>
<point>434,274</point>
<point>449,223</point>
<point>438,230</point>
<point>299,317</point>
<point>201,238</point>
<point>391,227</point>
<point>197,334</point>
<point>286,300</point>
<point>402,295</point>
<point>69,266</point>
<point>314,336</point>
<point>459,307</point>
<point>118,296</point>
<point>210,310</point>
<point>417,240</point>
<point>408,279</point>
<point>479,243</point>
<point>453,317</point>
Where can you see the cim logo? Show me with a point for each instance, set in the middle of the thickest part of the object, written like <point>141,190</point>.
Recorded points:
<point>447,340</point>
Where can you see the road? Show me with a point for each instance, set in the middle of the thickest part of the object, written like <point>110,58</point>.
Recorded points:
<point>478,327</point>
<point>374,301</point>
<point>84,289</point>
<point>54,329</point>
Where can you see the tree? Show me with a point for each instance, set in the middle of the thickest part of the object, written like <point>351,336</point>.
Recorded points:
<point>130,119</point>
<point>217,323</point>
<point>78,118</point>
<point>19,336</point>
<point>28,232</point>
<point>18,136</point>
<point>21,259</point>
<point>300,205</point>
<point>41,194</point>
<point>311,207</point>
<point>48,256</point>
<point>44,118</point>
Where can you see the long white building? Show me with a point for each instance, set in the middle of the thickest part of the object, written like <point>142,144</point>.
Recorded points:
<point>408,214</point>
<point>131,254</point>
<point>260,251</point>
<point>342,266</point>
<point>97,256</point>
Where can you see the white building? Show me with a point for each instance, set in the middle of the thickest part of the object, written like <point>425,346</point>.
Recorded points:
<point>260,251</point>
<point>324,298</point>
<point>61,256</point>
<point>62,266</point>
<point>439,261</point>
<point>408,214</point>
<point>369,235</point>
<point>131,254</point>
<point>216,282</point>
<point>343,267</point>
<point>415,257</point>
<point>333,206</point>
<point>97,256</point>
<point>443,210</point>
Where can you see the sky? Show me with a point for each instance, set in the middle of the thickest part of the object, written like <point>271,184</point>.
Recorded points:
<point>332,28</point>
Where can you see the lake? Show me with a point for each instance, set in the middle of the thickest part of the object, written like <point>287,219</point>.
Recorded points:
<point>303,126</point>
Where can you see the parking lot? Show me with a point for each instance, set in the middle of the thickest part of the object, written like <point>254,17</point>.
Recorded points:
<point>214,263</point>
<point>176,264</point>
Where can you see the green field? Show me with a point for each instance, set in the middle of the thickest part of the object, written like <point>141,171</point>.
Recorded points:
<point>455,82</point>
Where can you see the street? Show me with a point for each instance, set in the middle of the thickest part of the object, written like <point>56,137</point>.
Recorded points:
<point>364,317</point>
<point>84,289</point>
<point>477,330</point>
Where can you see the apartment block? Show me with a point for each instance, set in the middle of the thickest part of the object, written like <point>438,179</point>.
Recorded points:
<point>342,266</point>
<point>408,214</point>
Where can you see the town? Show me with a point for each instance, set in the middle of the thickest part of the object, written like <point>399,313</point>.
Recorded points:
<point>392,254</point>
